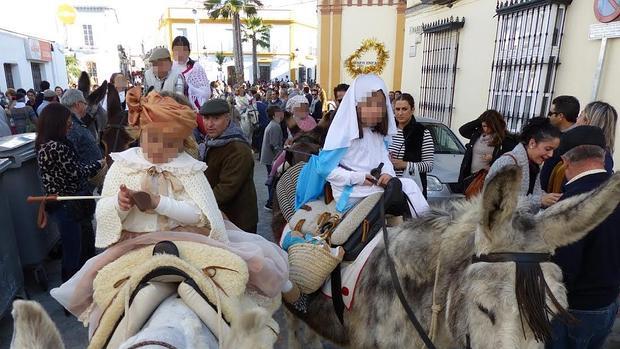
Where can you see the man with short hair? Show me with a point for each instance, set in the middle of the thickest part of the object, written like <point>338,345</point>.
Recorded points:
<point>44,85</point>
<point>564,112</point>
<point>397,94</point>
<point>590,266</point>
<point>316,105</point>
<point>339,91</point>
<point>161,77</point>
<point>284,96</point>
<point>230,166</point>
<point>275,100</point>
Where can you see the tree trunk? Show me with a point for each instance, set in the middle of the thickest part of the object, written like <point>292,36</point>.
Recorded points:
<point>254,61</point>
<point>238,49</point>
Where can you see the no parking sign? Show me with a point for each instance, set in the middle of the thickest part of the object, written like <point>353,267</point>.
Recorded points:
<point>607,10</point>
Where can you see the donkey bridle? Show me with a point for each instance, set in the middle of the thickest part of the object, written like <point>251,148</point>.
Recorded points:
<point>517,257</point>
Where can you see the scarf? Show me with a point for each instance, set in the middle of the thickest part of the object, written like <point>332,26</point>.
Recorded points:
<point>232,133</point>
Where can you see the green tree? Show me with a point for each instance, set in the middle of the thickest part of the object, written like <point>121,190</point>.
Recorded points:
<point>232,9</point>
<point>220,58</point>
<point>73,69</point>
<point>258,34</point>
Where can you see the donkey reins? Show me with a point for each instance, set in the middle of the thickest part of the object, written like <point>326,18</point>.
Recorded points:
<point>517,257</point>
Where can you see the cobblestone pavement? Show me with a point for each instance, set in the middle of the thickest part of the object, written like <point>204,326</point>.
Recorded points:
<point>75,335</point>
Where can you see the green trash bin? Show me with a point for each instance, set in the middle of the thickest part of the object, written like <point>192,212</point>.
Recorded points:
<point>20,180</point>
<point>11,275</point>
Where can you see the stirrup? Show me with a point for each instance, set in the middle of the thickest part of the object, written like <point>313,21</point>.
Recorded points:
<point>166,247</point>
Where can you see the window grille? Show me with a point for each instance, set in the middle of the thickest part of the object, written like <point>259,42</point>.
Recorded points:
<point>439,56</point>
<point>92,71</point>
<point>8,75</point>
<point>525,60</point>
<point>36,74</point>
<point>88,35</point>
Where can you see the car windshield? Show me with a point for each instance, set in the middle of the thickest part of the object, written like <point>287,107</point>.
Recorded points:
<point>445,141</point>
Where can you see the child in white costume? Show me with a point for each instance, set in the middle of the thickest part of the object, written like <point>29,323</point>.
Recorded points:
<point>364,124</point>
<point>182,206</point>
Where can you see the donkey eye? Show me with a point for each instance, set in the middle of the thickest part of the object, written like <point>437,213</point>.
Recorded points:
<point>489,313</point>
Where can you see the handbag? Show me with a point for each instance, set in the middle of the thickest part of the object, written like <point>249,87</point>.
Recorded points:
<point>476,183</point>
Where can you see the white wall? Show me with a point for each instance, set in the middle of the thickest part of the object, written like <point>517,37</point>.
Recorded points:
<point>360,23</point>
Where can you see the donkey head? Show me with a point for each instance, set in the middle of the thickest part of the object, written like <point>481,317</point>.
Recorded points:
<point>516,300</point>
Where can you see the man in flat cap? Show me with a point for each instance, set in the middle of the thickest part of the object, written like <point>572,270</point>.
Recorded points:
<point>160,76</point>
<point>590,266</point>
<point>230,165</point>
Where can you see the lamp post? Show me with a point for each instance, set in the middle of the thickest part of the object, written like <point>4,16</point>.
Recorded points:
<point>196,22</point>
<point>66,14</point>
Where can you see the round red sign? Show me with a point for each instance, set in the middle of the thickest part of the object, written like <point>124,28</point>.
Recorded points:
<point>607,10</point>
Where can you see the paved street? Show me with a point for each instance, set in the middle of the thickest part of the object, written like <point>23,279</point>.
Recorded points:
<point>75,336</point>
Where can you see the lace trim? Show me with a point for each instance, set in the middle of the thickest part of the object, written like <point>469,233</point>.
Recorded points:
<point>183,164</point>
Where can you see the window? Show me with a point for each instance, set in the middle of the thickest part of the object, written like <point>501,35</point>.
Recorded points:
<point>8,75</point>
<point>527,47</point>
<point>92,71</point>
<point>88,35</point>
<point>444,140</point>
<point>439,56</point>
<point>182,32</point>
<point>36,74</point>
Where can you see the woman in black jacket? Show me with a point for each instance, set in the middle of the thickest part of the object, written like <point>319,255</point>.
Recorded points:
<point>488,140</point>
<point>412,148</point>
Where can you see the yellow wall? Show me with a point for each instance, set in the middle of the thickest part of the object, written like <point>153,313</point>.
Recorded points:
<point>359,23</point>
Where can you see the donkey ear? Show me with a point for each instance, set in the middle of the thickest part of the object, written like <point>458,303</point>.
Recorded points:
<point>500,198</point>
<point>570,220</point>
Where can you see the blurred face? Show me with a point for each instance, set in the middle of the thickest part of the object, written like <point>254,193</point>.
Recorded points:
<point>162,67</point>
<point>31,96</point>
<point>340,96</point>
<point>486,129</point>
<point>302,110</point>
<point>58,91</point>
<point>372,109</point>
<point>538,152</point>
<point>180,53</point>
<point>160,144</point>
<point>583,119</point>
<point>278,116</point>
<point>120,83</point>
<point>403,112</point>
<point>216,124</point>
<point>291,123</point>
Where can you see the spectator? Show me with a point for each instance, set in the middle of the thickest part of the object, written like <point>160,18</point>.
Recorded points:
<point>284,96</point>
<point>412,149</point>
<point>23,117</point>
<point>31,97</point>
<point>307,94</point>
<point>263,121</point>
<point>564,112</point>
<point>62,173</point>
<point>11,95</point>
<point>316,105</point>
<point>539,139</point>
<point>391,94</point>
<point>44,85</point>
<point>275,100</point>
<point>272,145</point>
<point>488,140</point>
<point>59,91</point>
<point>48,97</point>
<point>230,166</point>
<point>5,129</point>
<point>603,115</point>
<point>160,76</point>
<point>590,266</point>
<point>339,92</point>
<point>397,94</point>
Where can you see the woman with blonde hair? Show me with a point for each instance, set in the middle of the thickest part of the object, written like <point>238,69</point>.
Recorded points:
<point>603,115</point>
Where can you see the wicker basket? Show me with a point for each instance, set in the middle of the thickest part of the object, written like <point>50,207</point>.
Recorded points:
<point>310,265</point>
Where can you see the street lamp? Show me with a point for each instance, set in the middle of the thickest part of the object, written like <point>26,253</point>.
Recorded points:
<point>196,22</point>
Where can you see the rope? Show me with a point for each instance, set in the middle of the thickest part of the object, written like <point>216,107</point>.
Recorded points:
<point>435,308</point>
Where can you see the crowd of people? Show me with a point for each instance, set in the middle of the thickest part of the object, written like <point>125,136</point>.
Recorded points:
<point>181,112</point>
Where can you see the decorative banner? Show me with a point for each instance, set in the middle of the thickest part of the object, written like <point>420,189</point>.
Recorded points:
<point>357,65</point>
<point>607,10</point>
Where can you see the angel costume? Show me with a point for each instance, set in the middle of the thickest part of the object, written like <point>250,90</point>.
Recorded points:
<point>187,211</point>
<point>346,159</point>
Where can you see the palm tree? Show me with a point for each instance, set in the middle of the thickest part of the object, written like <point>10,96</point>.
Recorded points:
<point>256,32</point>
<point>220,58</point>
<point>233,9</point>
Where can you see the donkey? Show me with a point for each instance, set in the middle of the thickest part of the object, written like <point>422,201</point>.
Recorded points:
<point>478,304</point>
<point>116,134</point>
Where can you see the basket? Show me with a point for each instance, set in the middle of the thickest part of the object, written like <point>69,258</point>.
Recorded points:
<point>310,265</point>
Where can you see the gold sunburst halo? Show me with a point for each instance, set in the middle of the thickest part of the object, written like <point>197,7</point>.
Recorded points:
<point>367,45</point>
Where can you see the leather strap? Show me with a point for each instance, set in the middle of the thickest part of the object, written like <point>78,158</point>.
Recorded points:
<point>337,293</point>
<point>399,291</point>
<point>517,257</point>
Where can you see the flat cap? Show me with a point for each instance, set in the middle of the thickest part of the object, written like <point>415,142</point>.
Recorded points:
<point>48,93</point>
<point>159,53</point>
<point>216,106</point>
<point>581,135</point>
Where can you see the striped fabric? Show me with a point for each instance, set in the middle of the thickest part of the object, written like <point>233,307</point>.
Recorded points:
<point>285,190</point>
<point>397,149</point>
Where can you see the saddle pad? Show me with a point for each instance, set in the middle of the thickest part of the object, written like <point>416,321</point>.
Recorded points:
<point>119,279</point>
<point>354,217</point>
<point>350,274</point>
<point>286,188</point>
<point>317,207</point>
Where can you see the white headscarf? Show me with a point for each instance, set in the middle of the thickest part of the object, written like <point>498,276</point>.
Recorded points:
<point>344,127</point>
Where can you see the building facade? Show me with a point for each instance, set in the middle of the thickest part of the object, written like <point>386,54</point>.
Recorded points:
<point>465,56</point>
<point>345,24</point>
<point>95,40</point>
<point>292,50</point>
<point>26,61</point>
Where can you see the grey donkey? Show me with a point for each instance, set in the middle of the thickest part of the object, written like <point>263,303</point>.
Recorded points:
<point>476,301</point>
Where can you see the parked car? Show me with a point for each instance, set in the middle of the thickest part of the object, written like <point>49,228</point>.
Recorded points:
<point>449,152</point>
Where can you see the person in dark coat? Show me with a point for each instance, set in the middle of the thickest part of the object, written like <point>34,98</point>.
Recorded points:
<point>230,166</point>
<point>590,266</point>
<point>488,140</point>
